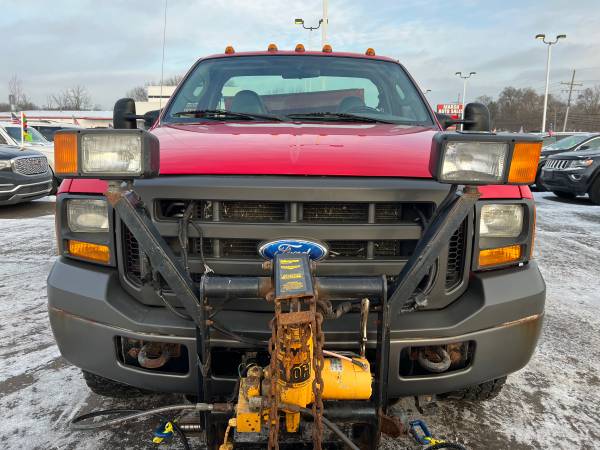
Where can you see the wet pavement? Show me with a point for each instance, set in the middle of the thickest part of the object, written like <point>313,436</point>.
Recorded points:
<point>554,402</point>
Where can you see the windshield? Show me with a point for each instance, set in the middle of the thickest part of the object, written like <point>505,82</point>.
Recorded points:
<point>48,131</point>
<point>567,143</point>
<point>35,136</point>
<point>305,88</point>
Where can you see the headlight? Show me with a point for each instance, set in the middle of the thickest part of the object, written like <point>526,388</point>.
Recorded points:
<point>476,161</point>
<point>87,216</point>
<point>581,163</point>
<point>106,154</point>
<point>484,158</point>
<point>111,153</point>
<point>5,164</point>
<point>499,220</point>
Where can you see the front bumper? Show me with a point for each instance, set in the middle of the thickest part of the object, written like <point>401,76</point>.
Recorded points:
<point>15,188</point>
<point>561,180</point>
<point>501,313</point>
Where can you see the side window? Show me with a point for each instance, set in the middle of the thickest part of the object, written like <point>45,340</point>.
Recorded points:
<point>593,144</point>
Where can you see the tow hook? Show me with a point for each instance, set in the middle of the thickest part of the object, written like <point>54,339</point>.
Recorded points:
<point>153,355</point>
<point>435,359</point>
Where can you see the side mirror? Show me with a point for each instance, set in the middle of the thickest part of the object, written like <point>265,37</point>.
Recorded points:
<point>476,117</point>
<point>124,114</point>
<point>151,117</point>
<point>445,120</point>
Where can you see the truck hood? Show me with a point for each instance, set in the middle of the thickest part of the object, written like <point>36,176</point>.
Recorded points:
<point>348,149</point>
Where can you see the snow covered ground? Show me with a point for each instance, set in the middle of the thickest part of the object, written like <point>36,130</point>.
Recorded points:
<point>553,403</point>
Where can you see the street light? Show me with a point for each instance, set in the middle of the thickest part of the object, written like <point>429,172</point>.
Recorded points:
<point>542,37</point>
<point>324,20</point>
<point>301,22</point>
<point>464,78</point>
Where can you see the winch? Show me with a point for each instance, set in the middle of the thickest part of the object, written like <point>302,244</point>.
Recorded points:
<point>298,374</point>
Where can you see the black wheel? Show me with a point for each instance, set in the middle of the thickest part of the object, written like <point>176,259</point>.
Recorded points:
<point>109,388</point>
<point>594,192</point>
<point>538,182</point>
<point>55,185</point>
<point>563,194</point>
<point>478,392</point>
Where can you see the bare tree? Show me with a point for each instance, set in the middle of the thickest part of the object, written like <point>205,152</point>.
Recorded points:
<point>15,89</point>
<point>75,98</point>
<point>138,93</point>
<point>588,101</point>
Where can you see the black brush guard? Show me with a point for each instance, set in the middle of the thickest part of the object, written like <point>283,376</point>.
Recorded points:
<point>195,297</point>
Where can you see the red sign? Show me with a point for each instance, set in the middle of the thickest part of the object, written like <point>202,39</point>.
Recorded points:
<point>454,110</point>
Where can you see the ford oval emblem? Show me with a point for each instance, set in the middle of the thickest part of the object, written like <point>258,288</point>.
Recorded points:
<point>315,250</point>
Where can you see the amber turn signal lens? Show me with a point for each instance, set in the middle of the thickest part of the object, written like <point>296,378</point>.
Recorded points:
<point>499,256</point>
<point>65,153</point>
<point>524,164</point>
<point>86,250</point>
<point>327,48</point>
<point>370,52</point>
<point>229,50</point>
<point>272,48</point>
<point>299,48</point>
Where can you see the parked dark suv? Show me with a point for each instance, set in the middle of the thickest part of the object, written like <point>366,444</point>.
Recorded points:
<point>582,141</point>
<point>575,173</point>
<point>24,175</point>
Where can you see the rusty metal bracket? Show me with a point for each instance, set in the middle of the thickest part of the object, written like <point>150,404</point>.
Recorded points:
<point>438,233</point>
<point>133,214</point>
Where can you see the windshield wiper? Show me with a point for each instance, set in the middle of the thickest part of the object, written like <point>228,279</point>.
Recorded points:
<point>347,117</point>
<point>221,114</point>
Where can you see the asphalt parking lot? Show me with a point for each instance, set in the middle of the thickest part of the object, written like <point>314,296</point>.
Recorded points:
<point>553,403</point>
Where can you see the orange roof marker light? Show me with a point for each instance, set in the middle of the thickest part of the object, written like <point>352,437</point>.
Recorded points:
<point>229,50</point>
<point>272,48</point>
<point>299,48</point>
<point>327,48</point>
<point>370,52</point>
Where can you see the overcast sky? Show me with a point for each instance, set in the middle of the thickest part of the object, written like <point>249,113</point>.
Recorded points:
<point>111,46</point>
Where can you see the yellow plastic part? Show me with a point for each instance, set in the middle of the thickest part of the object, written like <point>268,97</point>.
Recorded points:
<point>228,445</point>
<point>248,418</point>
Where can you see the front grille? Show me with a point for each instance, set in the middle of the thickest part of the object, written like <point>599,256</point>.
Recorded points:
<point>34,165</point>
<point>456,258</point>
<point>335,212</point>
<point>558,163</point>
<point>131,256</point>
<point>261,212</point>
<point>308,212</point>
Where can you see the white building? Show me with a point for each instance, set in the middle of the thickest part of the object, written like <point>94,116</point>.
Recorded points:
<point>157,99</point>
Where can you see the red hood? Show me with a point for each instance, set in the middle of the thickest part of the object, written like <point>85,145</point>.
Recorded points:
<point>374,150</point>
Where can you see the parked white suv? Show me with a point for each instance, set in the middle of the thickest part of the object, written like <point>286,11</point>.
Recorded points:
<point>10,134</point>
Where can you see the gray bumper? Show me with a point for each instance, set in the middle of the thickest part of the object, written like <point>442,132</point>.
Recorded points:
<point>24,190</point>
<point>501,312</point>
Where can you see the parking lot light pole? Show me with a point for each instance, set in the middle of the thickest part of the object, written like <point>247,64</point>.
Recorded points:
<point>542,37</point>
<point>464,78</point>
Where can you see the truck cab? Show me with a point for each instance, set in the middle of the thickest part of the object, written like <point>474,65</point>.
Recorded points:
<point>324,151</point>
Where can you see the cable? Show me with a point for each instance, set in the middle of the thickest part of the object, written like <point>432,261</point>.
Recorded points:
<point>130,414</point>
<point>444,445</point>
<point>238,337</point>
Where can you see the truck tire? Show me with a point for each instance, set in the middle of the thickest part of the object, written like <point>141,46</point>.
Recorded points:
<point>563,194</point>
<point>478,392</point>
<point>109,388</point>
<point>594,192</point>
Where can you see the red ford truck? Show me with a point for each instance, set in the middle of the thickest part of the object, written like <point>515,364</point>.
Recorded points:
<point>323,153</point>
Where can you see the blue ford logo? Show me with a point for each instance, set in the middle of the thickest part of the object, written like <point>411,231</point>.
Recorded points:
<point>314,250</point>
